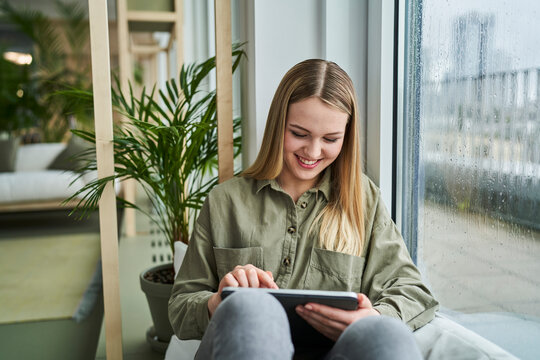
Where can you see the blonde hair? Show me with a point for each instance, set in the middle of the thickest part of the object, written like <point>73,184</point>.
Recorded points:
<point>342,220</point>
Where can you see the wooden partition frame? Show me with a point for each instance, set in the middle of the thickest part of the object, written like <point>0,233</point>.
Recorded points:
<point>125,52</point>
<point>108,225</point>
<point>99,41</point>
<point>224,89</point>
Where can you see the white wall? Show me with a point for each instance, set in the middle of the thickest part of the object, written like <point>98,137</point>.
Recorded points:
<point>281,33</point>
<point>356,34</point>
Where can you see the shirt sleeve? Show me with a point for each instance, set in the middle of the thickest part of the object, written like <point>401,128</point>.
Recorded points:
<point>391,280</point>
<point>195,283</point>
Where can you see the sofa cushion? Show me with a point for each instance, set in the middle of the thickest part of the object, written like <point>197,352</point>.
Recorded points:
<point>8,154</point>
<point>443,339</point>
<point>38,186</point>
<point>37,157</point>
<point>66,159</point>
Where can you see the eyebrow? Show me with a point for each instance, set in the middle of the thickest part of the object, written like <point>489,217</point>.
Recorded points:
<point>306,130</point>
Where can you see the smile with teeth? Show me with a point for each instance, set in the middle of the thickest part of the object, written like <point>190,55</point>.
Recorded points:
<point>307,163</point>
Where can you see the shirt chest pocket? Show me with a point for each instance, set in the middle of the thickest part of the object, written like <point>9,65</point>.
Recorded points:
<point>331,270</point>
<point>228,258</point>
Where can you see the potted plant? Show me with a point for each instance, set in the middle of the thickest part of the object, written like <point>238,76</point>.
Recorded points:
<point>60,59</point>
<point>168,144</point>
<point>18,104</point>
<point>17,109</point>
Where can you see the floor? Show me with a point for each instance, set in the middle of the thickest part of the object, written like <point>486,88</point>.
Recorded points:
<point>136,255</point>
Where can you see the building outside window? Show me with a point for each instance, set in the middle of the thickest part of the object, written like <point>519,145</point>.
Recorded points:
<point>471,137</point>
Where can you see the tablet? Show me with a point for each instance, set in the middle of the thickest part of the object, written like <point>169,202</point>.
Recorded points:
<point>302,333</point>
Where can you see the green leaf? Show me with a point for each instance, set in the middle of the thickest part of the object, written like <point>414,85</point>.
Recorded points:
<point>168,146</point>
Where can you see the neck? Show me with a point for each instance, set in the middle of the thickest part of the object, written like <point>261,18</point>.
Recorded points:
<point>295,189</point>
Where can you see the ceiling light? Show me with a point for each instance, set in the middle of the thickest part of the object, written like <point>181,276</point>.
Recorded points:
<point>18,58</point>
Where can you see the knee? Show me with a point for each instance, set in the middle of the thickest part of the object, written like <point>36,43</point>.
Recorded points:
<point>252,304</point>
<point>376,327</point>
<point>369,337</point>
<point>250,325</point>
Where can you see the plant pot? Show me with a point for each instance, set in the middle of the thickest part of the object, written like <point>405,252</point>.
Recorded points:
<point>8,153</point>
<point>157,295</point>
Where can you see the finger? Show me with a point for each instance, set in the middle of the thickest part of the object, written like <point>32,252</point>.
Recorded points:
<point>266,280</point>
<point>331,332</point>
<point>253,278</point>
<point>228,280</point>
<point>327,321</point>
<point>343,316</point>
<point>364,302</point>
<point>270,274</point>
<point>240,276</point>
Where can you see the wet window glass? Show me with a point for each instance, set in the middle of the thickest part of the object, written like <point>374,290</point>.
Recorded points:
<point>472,157</point>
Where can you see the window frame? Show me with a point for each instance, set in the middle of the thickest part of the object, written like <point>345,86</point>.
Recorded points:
<point>407,134</point>
<point>386,129</point>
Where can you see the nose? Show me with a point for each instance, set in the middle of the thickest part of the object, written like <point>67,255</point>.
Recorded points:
<point>313,150</point>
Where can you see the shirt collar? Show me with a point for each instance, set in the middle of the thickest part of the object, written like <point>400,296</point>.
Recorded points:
<point>323,186</point>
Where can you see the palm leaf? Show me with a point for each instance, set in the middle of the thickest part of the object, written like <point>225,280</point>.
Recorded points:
<point>169,147</point>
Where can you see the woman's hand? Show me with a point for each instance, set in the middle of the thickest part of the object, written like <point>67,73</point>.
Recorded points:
<point>330,321</point>
<point>242,276</point>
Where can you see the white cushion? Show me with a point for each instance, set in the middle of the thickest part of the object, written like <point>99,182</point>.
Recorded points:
<point>443,339</point>
<point>35,157</point>
<point>35,186</point>
<point>181,349</point>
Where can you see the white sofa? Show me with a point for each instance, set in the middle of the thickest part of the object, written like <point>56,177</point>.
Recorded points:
<point>33,186</point>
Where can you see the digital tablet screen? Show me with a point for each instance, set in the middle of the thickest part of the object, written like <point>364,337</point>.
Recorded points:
<point>302,333</point>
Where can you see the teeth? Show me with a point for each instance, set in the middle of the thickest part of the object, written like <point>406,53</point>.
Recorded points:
<point>307,162</point>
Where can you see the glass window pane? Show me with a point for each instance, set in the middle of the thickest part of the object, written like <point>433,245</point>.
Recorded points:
<point>471,138</point>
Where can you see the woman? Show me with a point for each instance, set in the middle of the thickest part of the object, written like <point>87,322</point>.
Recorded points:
<point>302,216</point>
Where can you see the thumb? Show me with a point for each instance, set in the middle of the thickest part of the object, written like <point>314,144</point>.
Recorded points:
<point>363,302</point>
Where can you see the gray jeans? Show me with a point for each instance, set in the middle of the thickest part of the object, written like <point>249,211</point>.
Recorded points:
<point>255,326</point>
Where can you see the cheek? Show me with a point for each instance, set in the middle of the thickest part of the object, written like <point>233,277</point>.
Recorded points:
<point>290,144</point>
<point>334,150</point>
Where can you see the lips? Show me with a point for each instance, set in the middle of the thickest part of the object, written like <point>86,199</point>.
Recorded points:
<point>307,164</point>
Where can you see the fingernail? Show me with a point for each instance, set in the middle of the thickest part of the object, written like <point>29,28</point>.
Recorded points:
<point>309,307</point>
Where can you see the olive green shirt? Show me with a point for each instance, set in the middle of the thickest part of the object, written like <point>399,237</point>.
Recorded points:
<point>246,221</point>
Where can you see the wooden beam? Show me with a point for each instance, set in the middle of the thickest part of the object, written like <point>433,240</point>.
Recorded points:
<point>171,39</point>
<point>179,35</point>
<point>147,49</point>
<point>124,60</point>
<point>152,16</point>
<point>101,79</point>
<point>125,71</point>
<point>224,89</point>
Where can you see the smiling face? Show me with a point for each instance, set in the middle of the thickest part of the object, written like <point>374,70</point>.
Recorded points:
<point>314,133</point>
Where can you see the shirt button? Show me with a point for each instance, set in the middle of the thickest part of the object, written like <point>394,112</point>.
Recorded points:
<point>291,230</point>
<point>303,205</point>
<point>287,261</point>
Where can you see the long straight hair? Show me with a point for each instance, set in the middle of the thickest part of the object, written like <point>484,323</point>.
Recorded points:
<point>342,220</point>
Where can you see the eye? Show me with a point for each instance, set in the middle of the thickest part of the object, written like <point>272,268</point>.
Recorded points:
<point>331,140</point>
<point>297,134</point>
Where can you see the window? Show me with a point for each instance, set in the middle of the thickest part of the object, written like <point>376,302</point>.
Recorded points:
<point>471,163</point>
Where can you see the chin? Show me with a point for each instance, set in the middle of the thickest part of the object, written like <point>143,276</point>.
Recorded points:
<point>305,176</point>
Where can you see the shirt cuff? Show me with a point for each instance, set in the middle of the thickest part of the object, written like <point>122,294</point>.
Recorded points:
<point>203,318</point>
<point>386,310</point>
